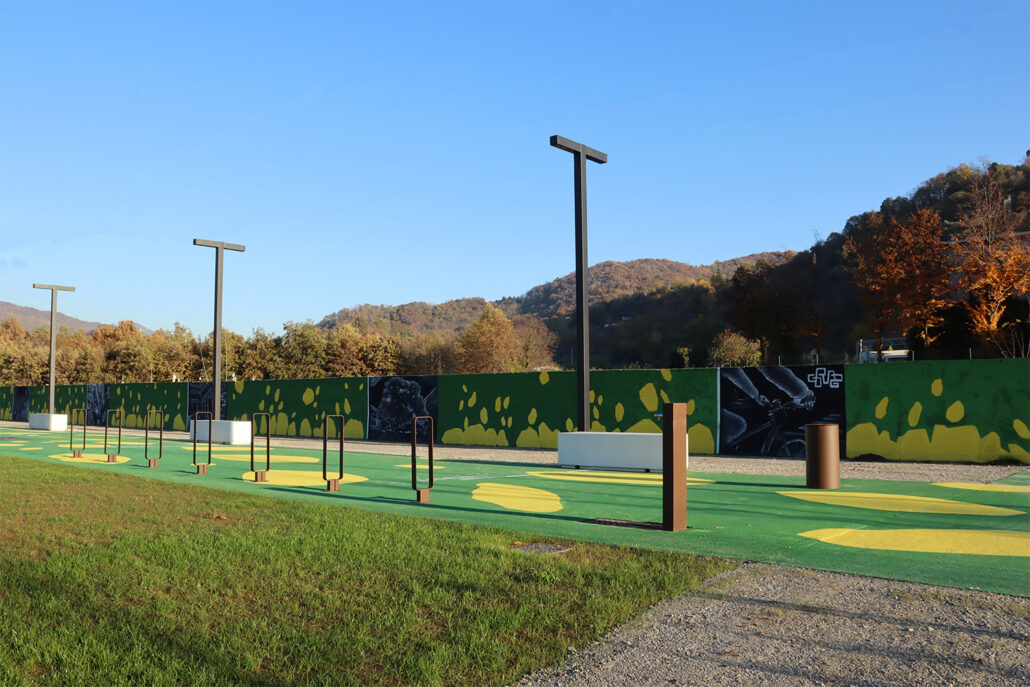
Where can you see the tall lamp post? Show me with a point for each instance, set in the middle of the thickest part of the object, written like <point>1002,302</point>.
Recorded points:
<point>53,332</point>
<point>580,155</point>
<point>220,247</point>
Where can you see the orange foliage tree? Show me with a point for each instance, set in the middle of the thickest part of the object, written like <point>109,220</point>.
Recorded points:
<point>903,273</point>
<point>993,260</point>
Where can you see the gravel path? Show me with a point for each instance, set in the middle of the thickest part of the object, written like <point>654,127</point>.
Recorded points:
<point>772,625</point>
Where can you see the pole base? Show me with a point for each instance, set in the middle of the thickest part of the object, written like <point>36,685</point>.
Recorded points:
<point>151,462</point>
<point>202,469</point>
<point>112,458</point>
<point>77,453</point>
<point>332,485</point>
<point>260,476</point>
<point>421,496</point>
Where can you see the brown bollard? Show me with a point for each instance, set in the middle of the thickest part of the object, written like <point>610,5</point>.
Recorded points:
<point>822,456</point>
<point>674,467</point>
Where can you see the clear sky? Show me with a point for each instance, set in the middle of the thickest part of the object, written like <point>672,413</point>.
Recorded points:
<point>392,152</point>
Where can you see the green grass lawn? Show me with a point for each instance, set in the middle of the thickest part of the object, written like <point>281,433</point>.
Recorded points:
<point>110,579</point>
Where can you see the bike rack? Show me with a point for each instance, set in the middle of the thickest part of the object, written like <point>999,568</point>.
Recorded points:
<point>152,462</point>
<point>77,452</point>
<point>334,483</point>
<point>202,467</point>
<point>261,475</point>
<point>113,457</point>
<point>421,495</point>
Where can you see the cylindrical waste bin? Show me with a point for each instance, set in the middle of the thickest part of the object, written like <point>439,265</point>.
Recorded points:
<point>822,456</point>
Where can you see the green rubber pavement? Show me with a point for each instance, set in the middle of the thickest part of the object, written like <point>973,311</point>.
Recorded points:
<point>956,535</point>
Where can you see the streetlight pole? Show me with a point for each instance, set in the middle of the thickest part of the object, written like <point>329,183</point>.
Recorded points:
<point>53,332</point>
<point>580,155</point>
<point>220,247</point>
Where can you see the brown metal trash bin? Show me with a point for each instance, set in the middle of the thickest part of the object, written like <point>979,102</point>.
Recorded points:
<point>822,456</point>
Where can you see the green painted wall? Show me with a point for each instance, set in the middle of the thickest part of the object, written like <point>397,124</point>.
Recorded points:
<point>6,402</point>
<point>959,410</point>
<point>299,405</point>
<point>39,399</point>
<point>69,396</point>
<point>628,401</point>
<point>525,409</point>
<point>136,399</point>
<point>528,410</point>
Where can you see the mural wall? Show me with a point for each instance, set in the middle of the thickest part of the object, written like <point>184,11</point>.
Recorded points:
<point>201,397</point>
<point>20,404</point>
<point>6,402</point>
<point>527,410</point>
<point>763,410</point>
<point>97,398</point>
<point>972,410</point>
<point>298,406</point>
<point>136,399</point>
<point>941,411</point>
<point>394,401</point>
<point>69,397</point>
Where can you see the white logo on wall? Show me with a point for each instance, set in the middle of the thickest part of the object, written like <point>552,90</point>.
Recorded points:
<point>824,377</point>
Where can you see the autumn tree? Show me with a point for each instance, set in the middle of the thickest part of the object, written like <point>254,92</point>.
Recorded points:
<point>432,353</point>
<point>535,344</point>
<point>994,263</point>
<point>488,345</point>
<point>303,351</point>
<point>343,351</point>
<point>730,349</point>
<point>924,283</point>
<point>762,310</point>
<point>379,355</point>
<point>902,273</point>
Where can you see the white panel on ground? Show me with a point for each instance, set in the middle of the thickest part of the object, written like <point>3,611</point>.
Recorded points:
<point>232,432</point>
<point>57,422</point>
<point>611,450</point>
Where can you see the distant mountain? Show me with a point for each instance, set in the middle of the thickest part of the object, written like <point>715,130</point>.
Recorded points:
<point>612,280</point>
<point>411,319</point>
<point>608,281</point>
<point>30,318</point>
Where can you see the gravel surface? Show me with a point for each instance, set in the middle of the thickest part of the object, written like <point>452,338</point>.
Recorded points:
<point>772,625</point>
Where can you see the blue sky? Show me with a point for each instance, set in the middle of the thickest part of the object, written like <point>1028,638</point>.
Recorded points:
<point>393,152</point>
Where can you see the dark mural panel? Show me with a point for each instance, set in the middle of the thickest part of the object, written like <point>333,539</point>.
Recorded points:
<point>98,398</point>
<point>394,401</point>
<point>20,404</point>
<point>763,410</point>
<point>201,397</point>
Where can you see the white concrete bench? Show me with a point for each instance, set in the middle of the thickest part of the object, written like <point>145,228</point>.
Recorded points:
<point>57,422</point>
<point>233,432</point>
<point>611,450</point>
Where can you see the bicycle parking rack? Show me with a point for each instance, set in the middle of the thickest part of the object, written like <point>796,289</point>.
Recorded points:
<point>334,483</point>
<point>261,475</point>
<point>152,462</point>
<point>113,457</point>
<point>202,467</point>
<point>421,494</point>
<point>77,452</point>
